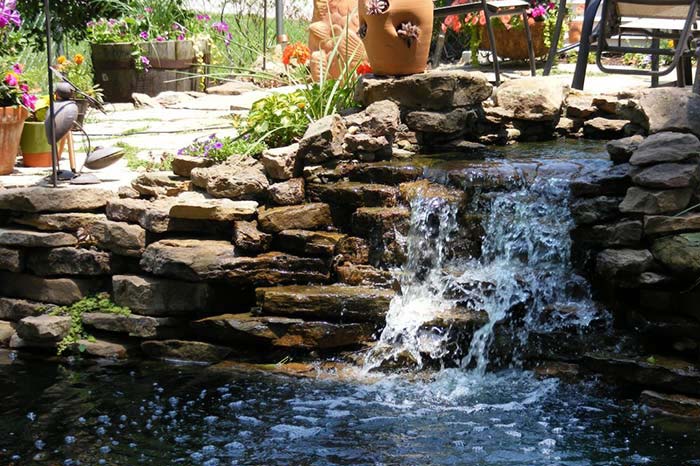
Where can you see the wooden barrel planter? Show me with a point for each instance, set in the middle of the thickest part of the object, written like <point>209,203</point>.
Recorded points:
<point>511,43</point>
<point>116,74</point>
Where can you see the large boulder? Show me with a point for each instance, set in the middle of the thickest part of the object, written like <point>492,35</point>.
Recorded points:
<point>120,238</point>
<point>62,291</point>
<point>308,243</point>
<point>604,128</point>
<point>249,239</point>
<point>182,350</point>
<point>17,309</point>
<point>671,109</point>
<point>186,259</point>
<point>614,263</point>
<point>195,206</point>
<point>625,233</point>
<point>438,90</point>
<point>133,325</point>
<point>38,199</point>
<point>353,195</point>
<point>381,118</point>
<point>239,178</point>
<point>71,221</point>
<point>156,184</point>
<point>35,239</point>
<point>282,163</point>
<point>653,202</point>
<point>620,150</point>
<point>668,176</point>
<point>666,147</point>
<point>534,99</point>
<point>450,122</point>
<point>679,253</point>
<point>302,217</point>
<point>45,328</point>
<point>323,140</point>
<point>662,224</point>
<point>290,192</point>
<point>152,296</point>
<point>587,211</point>
<point>69,261</point>
<point>274,268</point>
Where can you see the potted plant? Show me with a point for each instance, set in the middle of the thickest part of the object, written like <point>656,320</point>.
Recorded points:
<point>396,34</point>
<point>78,72</point>
<point>146,48</point>
<point>15,103</point>
<point>36,150</point>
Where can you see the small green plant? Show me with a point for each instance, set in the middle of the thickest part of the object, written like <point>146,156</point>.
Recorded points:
<point>136,163</point>
<point>98,303</point>
<point>220,149</point>
<point>279,119</point>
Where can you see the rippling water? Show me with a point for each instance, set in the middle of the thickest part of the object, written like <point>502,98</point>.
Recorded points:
<point>155,414</point>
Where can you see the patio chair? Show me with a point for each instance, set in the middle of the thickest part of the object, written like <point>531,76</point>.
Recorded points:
<point>491,9</point>
<point>654,20</point>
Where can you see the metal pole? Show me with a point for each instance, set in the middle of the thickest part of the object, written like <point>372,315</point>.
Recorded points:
<point>264,35</point>
<point>52,112</point>
<point>279,20</point>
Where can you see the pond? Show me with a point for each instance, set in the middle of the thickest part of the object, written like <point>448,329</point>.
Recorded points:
<point>156,414</point>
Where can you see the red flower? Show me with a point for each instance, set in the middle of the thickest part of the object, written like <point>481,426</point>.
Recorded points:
<point>364,68</point>
<point>298,52</point>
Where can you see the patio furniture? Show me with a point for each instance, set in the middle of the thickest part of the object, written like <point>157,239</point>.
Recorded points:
<point>655,20</point>
<point>491,9</point>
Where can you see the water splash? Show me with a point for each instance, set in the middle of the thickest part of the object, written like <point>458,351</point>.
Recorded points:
<point>523,275</point>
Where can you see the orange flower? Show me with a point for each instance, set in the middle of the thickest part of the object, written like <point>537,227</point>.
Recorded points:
<point>296,54</point>
<point>364,68</point>
<point>78,59</point>
<point>61,60</point>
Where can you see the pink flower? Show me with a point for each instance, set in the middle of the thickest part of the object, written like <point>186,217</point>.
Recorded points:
<point>148,9</point>
<point>181,37</point>
<point>143,35</point>
<point>24,88</point>
<point>11,80</point>
<point>220,27</point>
<point>160,39</point>
<point>29,101</point>
<point>18,68</point>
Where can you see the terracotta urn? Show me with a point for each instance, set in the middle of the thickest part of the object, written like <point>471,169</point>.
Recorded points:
<point>396,34</point>
<point>334,21</point>
<point>11,125</point>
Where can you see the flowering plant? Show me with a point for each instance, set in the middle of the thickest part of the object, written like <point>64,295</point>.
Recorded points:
<point>14,91</point>
<point>221,148</point>
<point>296,54</point>
<point>10,21</point>
<point>79,73</point>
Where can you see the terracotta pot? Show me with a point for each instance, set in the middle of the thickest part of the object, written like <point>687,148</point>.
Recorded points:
<point>36,150</point>
<point>389,53</point>
<point>575,27</point>
<point>511,43</point>
<point>11,124</point>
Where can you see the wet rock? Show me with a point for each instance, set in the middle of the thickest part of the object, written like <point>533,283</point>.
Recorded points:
<point>69,261</point>
<point>424,189</point>
<point>335,303</point>
<point>323,140</point>
<point>667,147</point>
<point>382,227</point>
<point>428,91</point>
<point>44,328</point>
<point>661,224</point>
<point>157,297</point>
<point>249,239</point>
<point>71,222</point>
<point>274,268</point>
<point>16,309</point>
<point>99,348</point>
<point>387,173</point>
<point>157,184</point>
<point>120,238</point>
<point>653,202</point>
<point>626,233</point>
<point>671,109</point>
<point>352,195</point>
<point>37,199</point>
<point>667,374</point>
<point>182,165</point>
<point>612,181</point>
<point>579,105</point>
<point>194,206</point>
<point>35,239</point>
<point>133,325</point>
<point>614,263</point>
<point>290,192</point>
<point>11,260</point>
<point>353,250</point>
<point>490,176</point>
<point>181,350</point>
<point>239,178</point>
<point>301,217</point>
<point>308,243</point>
<point>450,122</point>
<point>186,259</point>
<point>668,176</point>
<point>673,405</point>
<point>604,128</point>
<point>587,211</point>
<point>534,99</point>
<point>282,163</point>
<point>284,332</point>
<point>364,275</point>
<point>62,291</point>
<point>679,253</point>
<point>621,150</point>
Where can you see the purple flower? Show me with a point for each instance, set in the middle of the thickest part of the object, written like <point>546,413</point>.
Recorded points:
<point>90,24</point>
<point>181,36</point>
<point>220,27</point>
<point>143,35</point>
<point>203,17</point>
<point>148,9</point>
<point>145,62</point>
<point>29,100</point>
<point>218,145</point>
<point>160,39</point>
<point>17,68</point>
<point>538,12</point>
<point>228,38</point>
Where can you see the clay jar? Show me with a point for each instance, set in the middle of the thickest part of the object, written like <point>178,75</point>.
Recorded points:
<point>396,34</point>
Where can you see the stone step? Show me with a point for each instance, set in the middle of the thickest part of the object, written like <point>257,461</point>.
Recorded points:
<point>61,291</point>
<point>352,195</point>
<point>156,297</point>
<point>284,332</point>
<point>39,199</point>
<point>656,372</point>
<point>334,303</point>
<point>18,237</point>
<point>134,325</point>
<point>674,405</point>
<point>17,309</point>
<point>386,173</point>
<point>73,261</point>
<point>71,222</point>
<point>185,350</point>
<point>308,243</point>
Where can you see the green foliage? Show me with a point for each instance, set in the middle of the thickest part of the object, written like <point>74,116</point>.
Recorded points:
<point>99,303</point>
<point>136,163</point>
<point>220,149</point>
<point>279,119</point>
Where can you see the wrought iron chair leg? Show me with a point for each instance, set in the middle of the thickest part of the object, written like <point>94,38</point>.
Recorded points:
<point>585,45</point>
<point>553,48</point>
<point>655,43</point>
<point>530,49</point>
<point>492,40</point>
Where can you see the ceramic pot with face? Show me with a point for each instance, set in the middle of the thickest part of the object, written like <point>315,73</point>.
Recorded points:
<point>396,34</point>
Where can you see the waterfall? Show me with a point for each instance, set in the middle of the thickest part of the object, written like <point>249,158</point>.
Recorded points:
<point>524,273</point>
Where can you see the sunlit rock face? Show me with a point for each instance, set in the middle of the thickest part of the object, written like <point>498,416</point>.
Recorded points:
<point>333,21</point>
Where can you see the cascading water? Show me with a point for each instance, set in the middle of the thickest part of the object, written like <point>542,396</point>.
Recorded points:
<point>524,272</point>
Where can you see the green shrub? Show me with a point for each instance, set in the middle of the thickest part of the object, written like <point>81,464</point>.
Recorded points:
<point>279,119</point>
